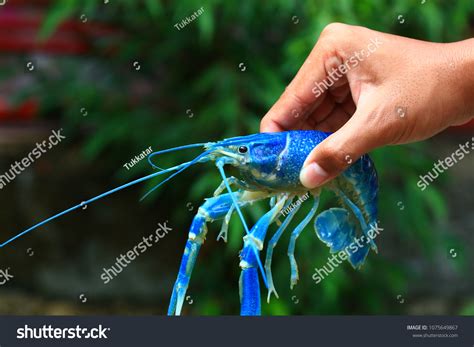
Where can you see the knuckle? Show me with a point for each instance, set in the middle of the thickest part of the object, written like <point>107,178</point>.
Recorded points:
<point>340,39</point>
<point>334,30</point>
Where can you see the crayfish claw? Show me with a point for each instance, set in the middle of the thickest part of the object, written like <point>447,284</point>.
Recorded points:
<point>225,225</point>
<point>222,235</point>
<point>271,290</point>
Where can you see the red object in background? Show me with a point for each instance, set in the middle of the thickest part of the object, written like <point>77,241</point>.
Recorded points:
<point>20,23</point>
<point>24,112</point>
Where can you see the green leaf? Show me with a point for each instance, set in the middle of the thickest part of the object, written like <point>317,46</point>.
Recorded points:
<point>56,15</point>
<point>154,7</point>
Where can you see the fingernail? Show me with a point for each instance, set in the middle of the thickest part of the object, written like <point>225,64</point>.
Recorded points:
<point>313,175</point>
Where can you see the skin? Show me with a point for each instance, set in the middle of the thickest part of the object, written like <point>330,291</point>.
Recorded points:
<point>404,91</point>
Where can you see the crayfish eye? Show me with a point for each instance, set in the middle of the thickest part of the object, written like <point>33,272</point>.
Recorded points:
<point>243,149</point>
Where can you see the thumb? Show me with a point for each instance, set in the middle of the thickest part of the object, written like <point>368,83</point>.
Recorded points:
<point>339,150</point>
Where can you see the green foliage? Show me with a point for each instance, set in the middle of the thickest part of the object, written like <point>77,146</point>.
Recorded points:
<point>197,69</point>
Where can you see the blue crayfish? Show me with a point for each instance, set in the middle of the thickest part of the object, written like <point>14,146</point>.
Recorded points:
<point>269,166</point>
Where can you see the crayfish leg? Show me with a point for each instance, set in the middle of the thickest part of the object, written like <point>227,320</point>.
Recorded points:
<point>271,245</point>
<point>212,209</point>
<point>360,218</point>
<point>249,287</point>
<point>294,235</point>
<point>225,225</point>
<point>233,181</point>
<point>249,290</point>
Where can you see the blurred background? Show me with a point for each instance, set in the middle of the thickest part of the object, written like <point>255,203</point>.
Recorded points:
<point>118,76</point>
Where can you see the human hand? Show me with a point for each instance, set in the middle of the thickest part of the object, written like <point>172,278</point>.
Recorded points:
<point>373,89</point>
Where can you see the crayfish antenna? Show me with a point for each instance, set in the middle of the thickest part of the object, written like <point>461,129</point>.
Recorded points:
<point>154,154</point>
<point>185,166</point>
<point>180,168</point>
